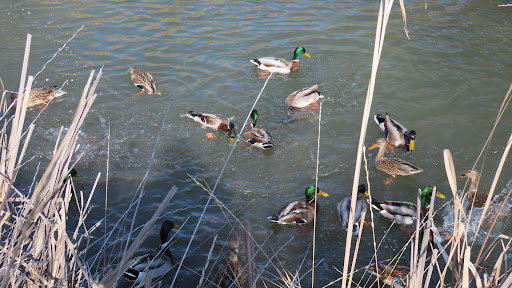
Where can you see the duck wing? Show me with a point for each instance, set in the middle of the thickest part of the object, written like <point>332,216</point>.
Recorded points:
<point>395,131</point>
<point>259,137</point>
<point>303,97</point>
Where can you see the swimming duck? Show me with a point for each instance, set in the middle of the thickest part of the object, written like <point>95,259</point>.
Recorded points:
<point>279,65</point>
<point>144,81</point>
<point>257,136</point>
<point>405,212</point>
<point>299,212</point>
<point>214,121</point>
<point>477,198</point>
<point>392,166</point>
<point>40,96</point>
<point>232,270</point>
<point>344,209</point>
<point>303,97</point>
<point>158,263</point>
<point>394,276</point>
<point>396,133</point>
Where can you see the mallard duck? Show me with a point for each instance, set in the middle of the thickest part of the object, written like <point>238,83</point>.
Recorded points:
<point>344,209</point>
<point>303,97</point>
<point>392,166</point>
<point>40,96</point>
<point>158,262</point>
<point>477,198</point>
<point>279,65</point>
<point>256,136</point>
<point>396,133</point>
<point>394,276</point>
<point>299,212</point>
<point>232,270</point>
<point>72,173</point>
<point>405,212</point>
<point>214,121</point>
<point>144,81</point>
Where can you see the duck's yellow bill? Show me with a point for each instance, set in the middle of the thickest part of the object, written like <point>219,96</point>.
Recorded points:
<point>78,175</point>
<point>307,54</point>
<point>322,193</point>
<point>366,193</point>
<point>411,145</point>
<point>440,195</point>
<point>176,226</point>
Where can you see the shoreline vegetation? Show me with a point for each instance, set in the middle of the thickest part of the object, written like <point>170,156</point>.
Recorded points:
<point>38,248</point>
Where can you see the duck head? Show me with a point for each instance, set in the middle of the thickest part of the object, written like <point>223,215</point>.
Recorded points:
<point>310,193</point>
<point>300,50</point>
<point>426,195</point>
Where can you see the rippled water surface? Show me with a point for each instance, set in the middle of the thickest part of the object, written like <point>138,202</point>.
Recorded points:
<point>447,82</point>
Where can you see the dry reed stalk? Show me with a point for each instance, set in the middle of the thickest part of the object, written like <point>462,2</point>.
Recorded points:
<point>39,227</point>
<point>249,252</point>
<point>384,12</point>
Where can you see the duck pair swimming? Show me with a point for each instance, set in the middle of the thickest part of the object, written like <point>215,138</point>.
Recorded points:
<point>401,212</point>
<point>255,136</point>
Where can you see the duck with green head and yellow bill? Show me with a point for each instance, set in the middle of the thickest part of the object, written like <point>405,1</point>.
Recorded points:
<point>299,212</point>
<point>396,133</point>
<point>144,81</point>
<point>403,212</point>
<point>280,65</point>
<point>159,262</point>
<point>343,208</point>
<point>392,166</point>
<point>257,136</point>
<point>394,276</point>
<point>216,122</point>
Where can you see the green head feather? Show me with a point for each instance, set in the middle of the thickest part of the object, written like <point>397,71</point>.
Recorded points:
<point>310,193</point>
<point>300,50</point>
<point>254,117</point>
<point>426,195</point>
<point>167,226</point>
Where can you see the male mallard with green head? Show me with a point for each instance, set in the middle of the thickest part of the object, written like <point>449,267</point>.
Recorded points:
<point>304,97</point>
<point>392,166</point>
<point>299,212</point>
<point>39,96</point>
<point>256,136</point>
<point>280,65</point>
<point>216,122</point>
<point>159,262</point>
<point>144,81</point>
<point>396,133</point>
<point>403,212</point>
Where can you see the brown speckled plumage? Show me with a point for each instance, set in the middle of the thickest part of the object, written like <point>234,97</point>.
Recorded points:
<point>232,270</point>
<point>392,166</point>
<point>477,198</point>
<point>144,81</point>
<point>40,96</point>
<point>394,276</point>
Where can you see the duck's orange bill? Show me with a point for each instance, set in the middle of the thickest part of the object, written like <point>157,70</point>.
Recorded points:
<point>373,147</point>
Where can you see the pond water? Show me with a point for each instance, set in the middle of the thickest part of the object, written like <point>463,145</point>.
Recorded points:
<point>447,82</point>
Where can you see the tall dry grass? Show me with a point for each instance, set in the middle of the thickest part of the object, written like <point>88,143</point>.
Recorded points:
<point>36,248</point>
